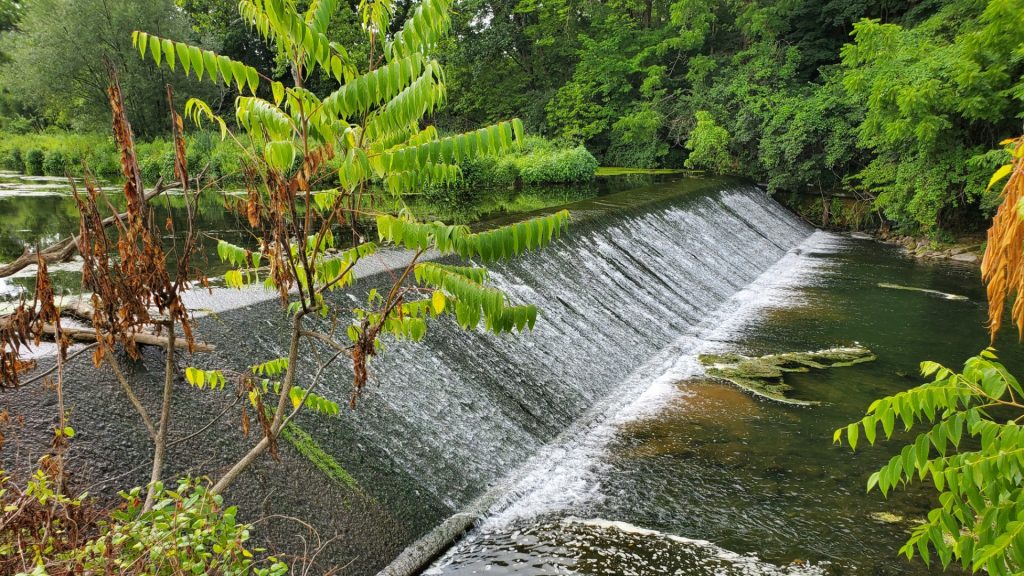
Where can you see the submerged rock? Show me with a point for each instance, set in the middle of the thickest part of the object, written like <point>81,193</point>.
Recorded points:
<point>886,517</point>
<point>764,376</point>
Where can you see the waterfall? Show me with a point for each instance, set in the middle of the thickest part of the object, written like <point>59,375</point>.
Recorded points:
<point>462,409</point>
<point>444,420</point>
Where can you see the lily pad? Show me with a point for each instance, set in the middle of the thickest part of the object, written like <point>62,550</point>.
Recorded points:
<point>764,376</point>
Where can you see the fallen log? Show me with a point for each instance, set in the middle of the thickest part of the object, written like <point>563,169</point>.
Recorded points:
<point>89,335</point>
<point>81,309</point>
<point>63,251</point>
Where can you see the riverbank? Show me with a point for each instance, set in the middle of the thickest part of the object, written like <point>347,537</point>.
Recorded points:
<point>219,162</point>
<point>856,215</point>
<point>968,249</point>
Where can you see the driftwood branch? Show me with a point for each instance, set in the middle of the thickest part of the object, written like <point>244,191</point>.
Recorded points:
<point>89,335</point>
<point>63,251</point>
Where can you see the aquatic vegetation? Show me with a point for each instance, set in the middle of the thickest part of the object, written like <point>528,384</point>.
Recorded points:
<point>304,443</point>
<point>624,171</point>
<point>764,376</point>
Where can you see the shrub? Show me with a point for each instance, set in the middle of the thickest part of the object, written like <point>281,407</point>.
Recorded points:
<point>10,159</point>
<point>151,159</point>
<point>709,145</point>
<point>560,166</point>
<point>189,531</point>
<point>34,162</point>
<point>225,163</point>
<point>104,161</point>
<point>636,142</point>
<point>491,172</point>
<point>55,163</point>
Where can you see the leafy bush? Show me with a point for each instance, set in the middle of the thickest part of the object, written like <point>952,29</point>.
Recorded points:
<point>970,449</point>
<point>557,167</point>
<point>537,161</point>
<point>61,151</point>
<point>636,142</point>
<point>55,163</point>
<point>709,145</point>
<point>10,159</point>
<point>39,520</point>
<point>34,162</point>
<point>491,172</point>
<point>151,158</point>
<point>189,531</point>
<point>225,163</point>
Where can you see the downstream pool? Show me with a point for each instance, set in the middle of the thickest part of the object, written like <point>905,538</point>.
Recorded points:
<point>698,477</point>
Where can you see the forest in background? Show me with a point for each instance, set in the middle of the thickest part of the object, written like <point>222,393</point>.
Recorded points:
<point>904,103</point>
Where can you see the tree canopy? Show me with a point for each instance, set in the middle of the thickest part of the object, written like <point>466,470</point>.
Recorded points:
<point>903,102</point>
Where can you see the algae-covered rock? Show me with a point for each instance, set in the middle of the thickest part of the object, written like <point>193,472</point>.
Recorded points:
<point>764,376</point>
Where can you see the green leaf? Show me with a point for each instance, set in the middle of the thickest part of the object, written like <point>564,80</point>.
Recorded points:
<point>852,434</point>
<point>999,174</point>
<point>280,155</point>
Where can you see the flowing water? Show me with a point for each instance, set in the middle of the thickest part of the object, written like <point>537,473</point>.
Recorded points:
<point>697,477</point>
<point>612,454</point>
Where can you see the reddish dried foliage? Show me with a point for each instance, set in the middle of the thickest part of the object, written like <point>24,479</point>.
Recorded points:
<point>26,523</point>
<point>128,287</point>
<point>1002,269</point>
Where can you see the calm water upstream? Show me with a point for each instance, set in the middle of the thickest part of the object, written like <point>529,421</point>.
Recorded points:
<point>697,477</point>
<point>40,210</point>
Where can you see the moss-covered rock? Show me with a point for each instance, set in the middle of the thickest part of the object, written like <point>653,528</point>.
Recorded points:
<point>764,376</point>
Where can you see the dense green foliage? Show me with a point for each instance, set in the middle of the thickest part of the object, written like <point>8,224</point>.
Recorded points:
<point>59,57</point>
<point>908,111</point>
<point>189,531</point>
<point>900,100</point>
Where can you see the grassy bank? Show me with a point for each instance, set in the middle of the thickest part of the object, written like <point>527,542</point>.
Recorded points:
<point>539,161</point>
<point>59,153</point>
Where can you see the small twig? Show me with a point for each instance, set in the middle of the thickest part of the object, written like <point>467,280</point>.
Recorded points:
<point>127,387</point>
<point>326,339</point>
<point>208,425</point>
<point>53,369</point>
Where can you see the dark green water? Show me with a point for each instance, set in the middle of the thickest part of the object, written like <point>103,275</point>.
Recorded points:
<point>38,211</point>
<point>753,477</point>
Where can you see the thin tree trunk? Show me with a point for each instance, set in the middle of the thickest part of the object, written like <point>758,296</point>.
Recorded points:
<point>127,387</point>
<point>160,448</point>
<point>231,475</point>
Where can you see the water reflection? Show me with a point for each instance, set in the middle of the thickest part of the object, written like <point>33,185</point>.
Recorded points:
<point>39,210</point>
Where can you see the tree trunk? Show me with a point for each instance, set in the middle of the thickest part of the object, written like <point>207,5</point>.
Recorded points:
<point>160,447</point>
